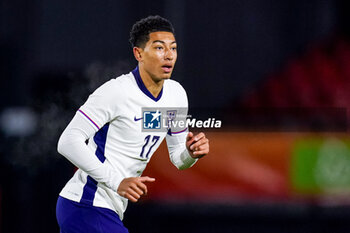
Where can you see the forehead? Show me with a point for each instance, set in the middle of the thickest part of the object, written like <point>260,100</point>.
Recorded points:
<point>167,37</point>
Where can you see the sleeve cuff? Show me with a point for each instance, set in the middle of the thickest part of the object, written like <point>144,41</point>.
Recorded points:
<point>187,159</point>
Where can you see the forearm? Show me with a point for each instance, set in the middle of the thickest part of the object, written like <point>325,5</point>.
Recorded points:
<point>178,152</point>
<point>182,160</point>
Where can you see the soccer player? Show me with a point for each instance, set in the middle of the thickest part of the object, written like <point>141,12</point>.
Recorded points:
<point>105,141</point>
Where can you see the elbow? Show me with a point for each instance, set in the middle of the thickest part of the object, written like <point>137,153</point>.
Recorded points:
<point>61,145</point>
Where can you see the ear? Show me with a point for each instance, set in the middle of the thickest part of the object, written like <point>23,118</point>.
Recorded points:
<point>137,53</point>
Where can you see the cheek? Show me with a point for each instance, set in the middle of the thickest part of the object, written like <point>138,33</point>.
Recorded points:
<point>156,57</point>
<point>149,60</point>
<point>175,55</point>
<point>159,56</point>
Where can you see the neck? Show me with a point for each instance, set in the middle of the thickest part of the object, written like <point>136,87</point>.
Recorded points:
<point>153,86</point>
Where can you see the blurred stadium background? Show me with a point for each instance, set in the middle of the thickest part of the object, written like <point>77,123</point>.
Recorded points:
<point>277,73</point>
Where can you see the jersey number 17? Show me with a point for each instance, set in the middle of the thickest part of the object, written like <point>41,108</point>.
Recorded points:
<point>147,140</point>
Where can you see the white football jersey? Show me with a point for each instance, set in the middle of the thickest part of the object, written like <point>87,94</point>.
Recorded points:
<point>114,111</point>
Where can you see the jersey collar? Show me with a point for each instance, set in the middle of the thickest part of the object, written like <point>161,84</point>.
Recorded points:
<point>142,86</point>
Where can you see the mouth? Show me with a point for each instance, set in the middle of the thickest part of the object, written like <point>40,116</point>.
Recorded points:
<point>167,68</point>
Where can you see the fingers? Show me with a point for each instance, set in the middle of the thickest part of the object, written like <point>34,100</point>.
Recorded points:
<point>198,140</point>
<point>142,186</point>
<point>130,197</point>
<point>133,188</point>
<point>133,195</point>
<point>199,136</point>
<point>201,150</point>
<point>138,188</point>
<point>189,136</point>
<point>146,179</point>
<point>199,146</point>
<point>189,139</point>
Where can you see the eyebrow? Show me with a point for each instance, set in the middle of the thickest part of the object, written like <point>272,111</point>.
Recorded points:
<point>160,41</point>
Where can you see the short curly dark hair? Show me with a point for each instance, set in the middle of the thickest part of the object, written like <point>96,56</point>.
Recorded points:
<point>139,34</point>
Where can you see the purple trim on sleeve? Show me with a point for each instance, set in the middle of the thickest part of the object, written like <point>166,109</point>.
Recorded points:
<point>179,131</point>
<point>89,118</point>
<point>90,187</point>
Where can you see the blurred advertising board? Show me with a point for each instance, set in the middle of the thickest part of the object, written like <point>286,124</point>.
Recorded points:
<point>265,167</point>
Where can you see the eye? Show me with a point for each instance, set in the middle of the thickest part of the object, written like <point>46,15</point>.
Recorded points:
<point>159,47</point>
<point>174,48</point>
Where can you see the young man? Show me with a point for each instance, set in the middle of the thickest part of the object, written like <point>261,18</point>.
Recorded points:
<point>105,141</point>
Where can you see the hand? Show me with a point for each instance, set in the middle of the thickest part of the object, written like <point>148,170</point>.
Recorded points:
<point>133,188</point>
<point>197,145</point>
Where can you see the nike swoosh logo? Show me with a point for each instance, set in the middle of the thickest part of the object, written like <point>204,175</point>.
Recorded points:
<point>137,119</point>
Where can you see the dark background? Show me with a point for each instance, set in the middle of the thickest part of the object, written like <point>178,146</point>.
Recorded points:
<point>54,53</point>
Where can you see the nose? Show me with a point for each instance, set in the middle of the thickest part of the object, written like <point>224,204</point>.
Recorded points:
<point>169,54</point>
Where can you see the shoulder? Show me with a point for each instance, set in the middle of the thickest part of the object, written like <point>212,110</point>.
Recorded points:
<point>175,86</point>
<point>115,87</point>
<point>176,92</point>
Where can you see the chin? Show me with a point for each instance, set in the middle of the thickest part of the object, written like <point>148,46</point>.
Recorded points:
<point>166,76</point>
<point>169,74</point>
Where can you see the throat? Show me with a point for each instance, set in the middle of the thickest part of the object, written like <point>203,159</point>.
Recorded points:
<point>153,85</point>
<point>155,88</point>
